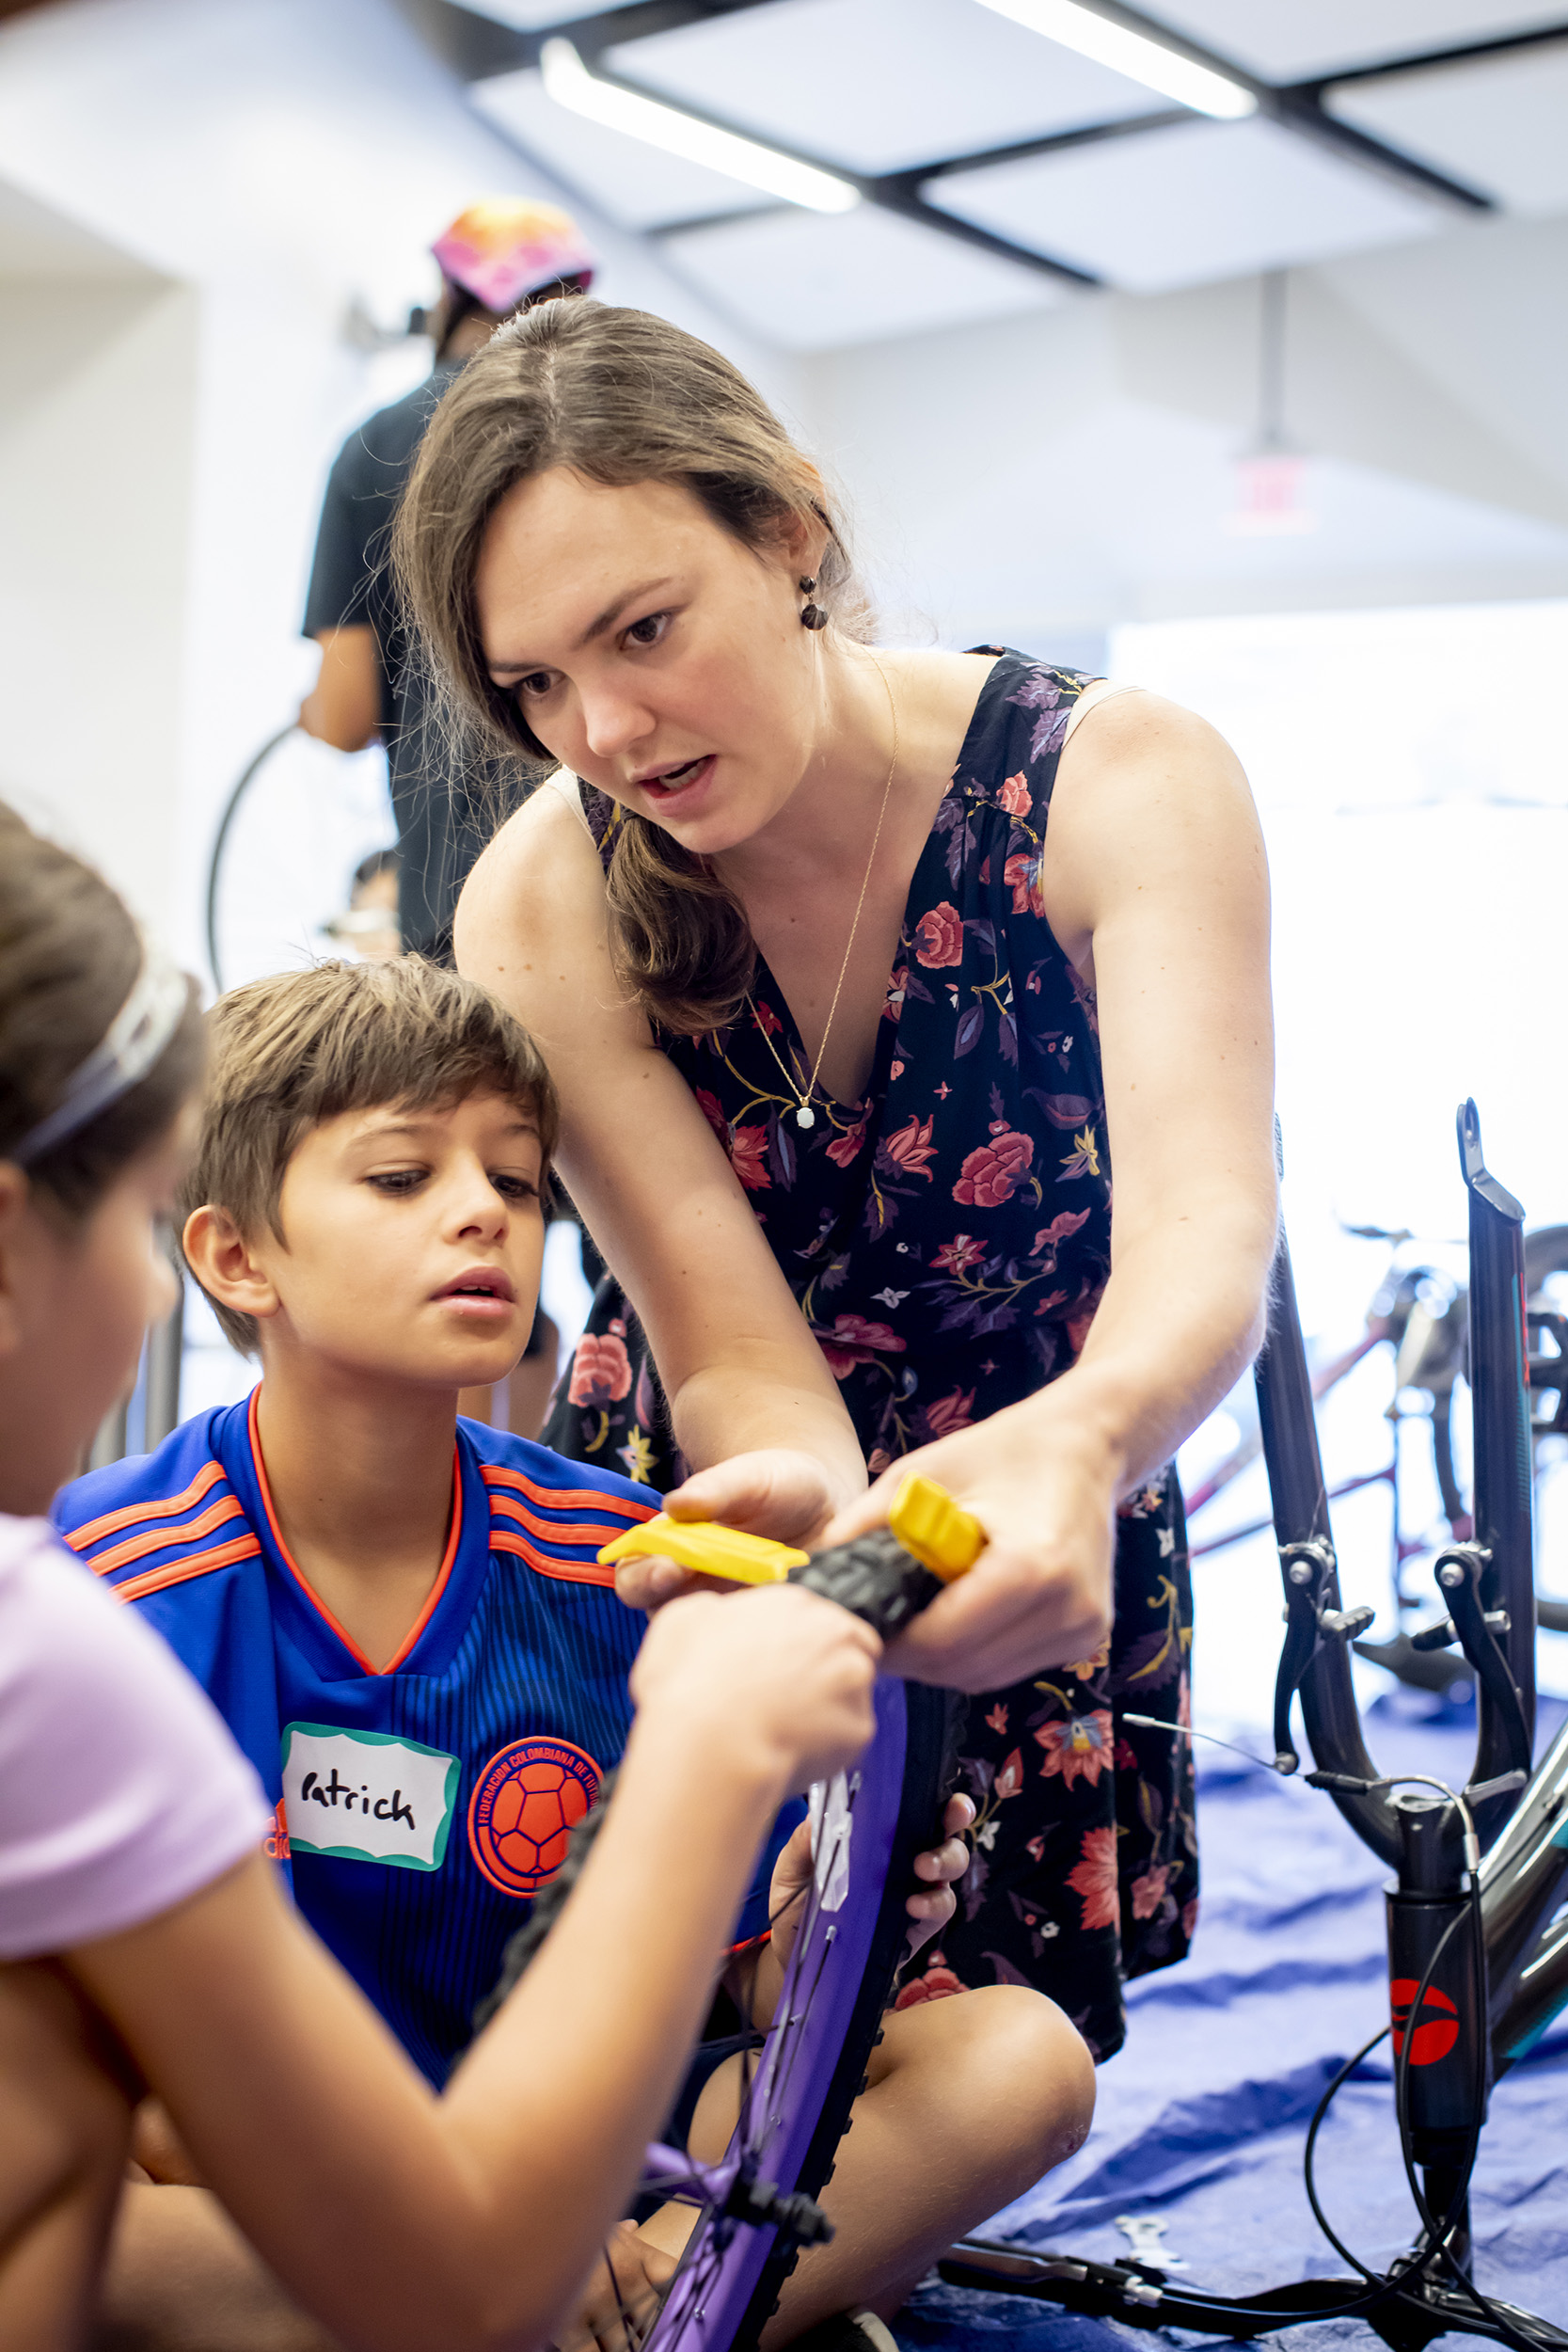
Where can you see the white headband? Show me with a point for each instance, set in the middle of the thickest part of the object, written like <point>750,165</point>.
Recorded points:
<point>136,1037</point>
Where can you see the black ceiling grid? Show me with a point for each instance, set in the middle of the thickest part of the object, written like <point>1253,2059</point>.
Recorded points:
<point>477,48</point>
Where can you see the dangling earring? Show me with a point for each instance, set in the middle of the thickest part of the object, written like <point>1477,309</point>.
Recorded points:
<point>812,615</point>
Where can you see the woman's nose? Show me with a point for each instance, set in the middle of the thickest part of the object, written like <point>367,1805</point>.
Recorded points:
<point>611,723</point>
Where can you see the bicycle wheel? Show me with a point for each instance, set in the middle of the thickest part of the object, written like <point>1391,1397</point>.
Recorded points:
<point>812,2067</point>
<point>755,2207</point>
<point>1546,1286</point>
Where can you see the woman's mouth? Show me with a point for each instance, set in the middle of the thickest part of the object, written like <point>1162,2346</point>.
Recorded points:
<point>669,783</point>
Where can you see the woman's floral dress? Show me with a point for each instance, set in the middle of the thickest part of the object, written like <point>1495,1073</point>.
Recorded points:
<point>948,1237</point>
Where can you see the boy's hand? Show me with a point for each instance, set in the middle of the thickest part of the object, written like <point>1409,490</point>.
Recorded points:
<point>932,1905</point>
<point>776,1680</point>
<point>773,1492</point>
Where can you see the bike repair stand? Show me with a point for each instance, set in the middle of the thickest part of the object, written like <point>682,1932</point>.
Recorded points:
<point>1438,1992</point>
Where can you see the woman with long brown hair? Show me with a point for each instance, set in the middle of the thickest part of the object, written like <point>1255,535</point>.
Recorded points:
<point>846,1042</point>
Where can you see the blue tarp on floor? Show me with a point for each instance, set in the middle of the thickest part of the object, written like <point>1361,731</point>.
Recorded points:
<point>1203,2116</point>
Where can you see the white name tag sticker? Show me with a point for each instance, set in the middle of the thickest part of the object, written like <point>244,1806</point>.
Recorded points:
<point>361,1796</point>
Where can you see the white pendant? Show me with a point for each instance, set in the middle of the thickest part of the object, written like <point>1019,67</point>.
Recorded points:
<point>805,1116</point>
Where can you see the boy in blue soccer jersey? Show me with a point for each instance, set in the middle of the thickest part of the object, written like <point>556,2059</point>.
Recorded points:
<point>400,1613</point>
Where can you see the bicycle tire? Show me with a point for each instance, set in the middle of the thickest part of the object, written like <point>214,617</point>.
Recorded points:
<point>731,2276</point>
<point>1545,1254</point>
<point>927,1776</point>
<point>796,2108</point>
<point>220,842</point>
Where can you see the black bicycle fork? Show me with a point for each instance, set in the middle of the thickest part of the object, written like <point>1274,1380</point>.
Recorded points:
<point>1442,2010</point>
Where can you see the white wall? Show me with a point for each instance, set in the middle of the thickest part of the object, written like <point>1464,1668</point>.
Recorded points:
<point>1075,467</point>
<point>97,404</point>
<point>280,158</point>
<point>1412,772</point>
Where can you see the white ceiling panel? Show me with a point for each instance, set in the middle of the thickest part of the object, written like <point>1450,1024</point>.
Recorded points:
<point>1501,124</point>
<point>1301,40</point>
<point>811,281</point>
<point>880,85</point>
<point>1180,206</point>
<point>531,16</point>
<point>640,186</point>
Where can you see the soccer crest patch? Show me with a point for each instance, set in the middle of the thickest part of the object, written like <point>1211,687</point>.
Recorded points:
<point>524,1803</point>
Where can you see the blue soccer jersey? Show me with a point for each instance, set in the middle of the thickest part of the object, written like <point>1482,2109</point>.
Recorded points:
<point>420,1807</point>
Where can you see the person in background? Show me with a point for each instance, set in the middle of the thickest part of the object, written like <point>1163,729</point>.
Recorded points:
<point>368,928</point>
<point>501,256</point>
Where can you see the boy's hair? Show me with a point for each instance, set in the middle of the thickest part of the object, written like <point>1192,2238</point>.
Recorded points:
<point>301,1047</point>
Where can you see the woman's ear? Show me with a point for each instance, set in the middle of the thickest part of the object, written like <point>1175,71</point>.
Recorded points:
<point>225,1264</point>
<point>805,541</point>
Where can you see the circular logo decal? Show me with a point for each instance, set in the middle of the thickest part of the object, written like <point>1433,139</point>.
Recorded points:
<point>1435,2035</point>
<point>523,1808</point>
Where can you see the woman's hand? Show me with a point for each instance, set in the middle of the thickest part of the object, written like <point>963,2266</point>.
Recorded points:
<point>930,1905</point>
<point>1043,1484</point>
<point>622,2294</point>
<point>775,1683</point>
<point>774,1490</point>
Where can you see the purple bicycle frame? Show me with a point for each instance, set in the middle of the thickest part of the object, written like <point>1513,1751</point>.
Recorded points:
<point>709,2296</point>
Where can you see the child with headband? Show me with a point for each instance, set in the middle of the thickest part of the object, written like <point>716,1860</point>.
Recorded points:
<point>144,1939</point>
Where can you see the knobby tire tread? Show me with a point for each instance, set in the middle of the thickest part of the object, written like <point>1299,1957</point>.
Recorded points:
<point>934,1722</point>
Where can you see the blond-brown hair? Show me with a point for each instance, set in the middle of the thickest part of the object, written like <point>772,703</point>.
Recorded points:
<point>620,397</point>
<point>301,1047</point>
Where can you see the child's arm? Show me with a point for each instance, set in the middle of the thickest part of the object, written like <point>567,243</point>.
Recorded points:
<point>400,2220</point>
<point>756,1974</point>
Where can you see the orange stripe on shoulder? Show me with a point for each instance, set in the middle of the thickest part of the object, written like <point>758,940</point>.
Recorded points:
<point>567,1498</point>
<point>596,1532</point>
<point>159,1538</point>
<point>161,1507</point>
<point>246,1546</point>
<point>564,1571</point>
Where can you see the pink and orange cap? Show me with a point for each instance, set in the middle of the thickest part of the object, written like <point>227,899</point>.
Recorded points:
<point>505,247</point>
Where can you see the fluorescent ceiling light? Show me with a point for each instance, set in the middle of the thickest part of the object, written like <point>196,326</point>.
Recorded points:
<point>1133,54</point>
<point>568,81</point>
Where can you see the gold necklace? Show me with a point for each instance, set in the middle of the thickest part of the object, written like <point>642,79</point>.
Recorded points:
<point>805,1116</point>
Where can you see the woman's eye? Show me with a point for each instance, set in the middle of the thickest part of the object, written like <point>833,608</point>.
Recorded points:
<point>537,682</point>
<point>515,1187</point>
<point>397,1181</point>
<point>649,631</point>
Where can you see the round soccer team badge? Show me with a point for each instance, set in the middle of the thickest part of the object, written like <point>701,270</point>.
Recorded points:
<point>524,1806</point>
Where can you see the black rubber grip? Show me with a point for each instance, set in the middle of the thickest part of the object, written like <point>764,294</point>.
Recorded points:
<point>874,1579</point>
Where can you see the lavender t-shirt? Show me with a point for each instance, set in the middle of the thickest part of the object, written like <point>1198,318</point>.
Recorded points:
<point>121,1792</point>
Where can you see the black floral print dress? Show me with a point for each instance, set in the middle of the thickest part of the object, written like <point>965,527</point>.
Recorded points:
<point>949,1238</point>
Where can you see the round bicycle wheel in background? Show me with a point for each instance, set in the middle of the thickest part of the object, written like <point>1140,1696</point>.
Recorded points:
<point>298,821</point>
<point>1546,1286</point>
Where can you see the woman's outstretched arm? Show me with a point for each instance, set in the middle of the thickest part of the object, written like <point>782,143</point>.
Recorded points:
<point>1157,889</point>
<point>747,1383</point>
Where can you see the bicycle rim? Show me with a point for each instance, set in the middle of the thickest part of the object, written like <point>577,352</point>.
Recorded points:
<point>813,2063</point>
